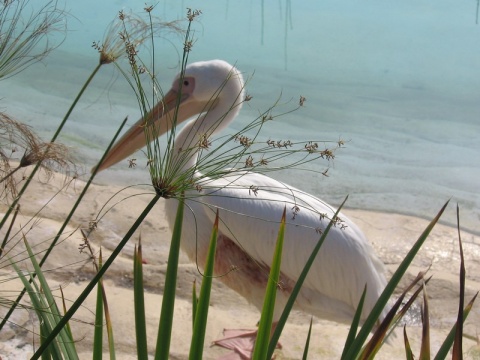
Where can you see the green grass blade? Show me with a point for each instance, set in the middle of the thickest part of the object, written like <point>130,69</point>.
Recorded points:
<point>41,308</point>
<point>65,342</point>
<point>98,332</point>
<point>458,343</point>
<point>108,324</point>
<point>67,328</point>
<point>425,346</point>
<point>408,349</point>
<point>47,354</point>
<point>355,322</point>
<point>168,303</point>
<point>371,320</point>
<point>56,349</point>
<point>447,343</point>
<point>265,327</point>
<point>375,343</point>
<point>307,342</point>
<point>370,350</point>
<point>108,320</point>
<point>410,301</point>
<point>139,303</point>
<point>194,302</point>
<point>81,298</point>
<point>200,324</point>
<point>298,285</point>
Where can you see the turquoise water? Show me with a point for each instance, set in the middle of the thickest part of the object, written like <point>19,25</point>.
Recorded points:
<point>399,81</point>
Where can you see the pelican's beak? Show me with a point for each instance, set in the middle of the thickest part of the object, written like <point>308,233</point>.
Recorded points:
<point>161,118</point>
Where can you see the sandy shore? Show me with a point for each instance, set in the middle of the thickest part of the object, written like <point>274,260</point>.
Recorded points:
<point>390,234</point>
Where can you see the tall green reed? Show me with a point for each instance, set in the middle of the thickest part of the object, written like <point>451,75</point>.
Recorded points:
<point>110,51</point>
<point>27,33</point>
<point>61,230</point>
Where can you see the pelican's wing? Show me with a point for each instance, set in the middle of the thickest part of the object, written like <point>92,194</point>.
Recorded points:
<point>251,206</point>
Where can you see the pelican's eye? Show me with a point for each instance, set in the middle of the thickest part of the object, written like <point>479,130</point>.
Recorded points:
<point>186,83</point>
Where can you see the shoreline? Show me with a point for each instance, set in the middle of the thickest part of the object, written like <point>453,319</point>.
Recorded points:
<point>391,236</point>
<point>395,160</point>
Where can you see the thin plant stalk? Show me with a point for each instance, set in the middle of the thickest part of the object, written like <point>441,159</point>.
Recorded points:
<point>194,302</point>
<point>307,342</point>
<point>425,347</point>
<point>457,345</point>
<point>477,12</point>
<point>201,312</point>
<point>168,302</point>
<point>355,323</point>
<point>7,234</point>
<point>98,331</point>
<point>265,327</point>
<point>25,39</point>
<point>102,309</point>
<point>108,323</point>
<point>67,328</point>
<point>62,228</point>
<point>81,298</point>
<point>139,303</point>
<point>59,129</point>
<point>47,355</point>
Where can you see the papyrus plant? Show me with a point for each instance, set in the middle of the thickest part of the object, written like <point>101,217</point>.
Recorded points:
<point>29,31</point>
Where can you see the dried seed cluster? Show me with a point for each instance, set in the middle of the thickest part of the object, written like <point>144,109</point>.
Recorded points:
<point>243,140</point>
<point>279,143</point>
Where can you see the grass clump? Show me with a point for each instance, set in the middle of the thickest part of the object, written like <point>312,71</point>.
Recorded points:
<point>26,33</point>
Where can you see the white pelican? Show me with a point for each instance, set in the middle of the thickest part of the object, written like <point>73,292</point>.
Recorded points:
<point>249,222</point>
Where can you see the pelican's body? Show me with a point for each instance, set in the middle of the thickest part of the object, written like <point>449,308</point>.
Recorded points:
<point>247,235</point>
<point>249,220</point>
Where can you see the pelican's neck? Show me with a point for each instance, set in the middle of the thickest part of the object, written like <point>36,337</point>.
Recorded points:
<point>219,113</point>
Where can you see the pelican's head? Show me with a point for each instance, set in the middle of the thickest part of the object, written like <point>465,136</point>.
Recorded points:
<point>214,87</point>
<point>205,80</point>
